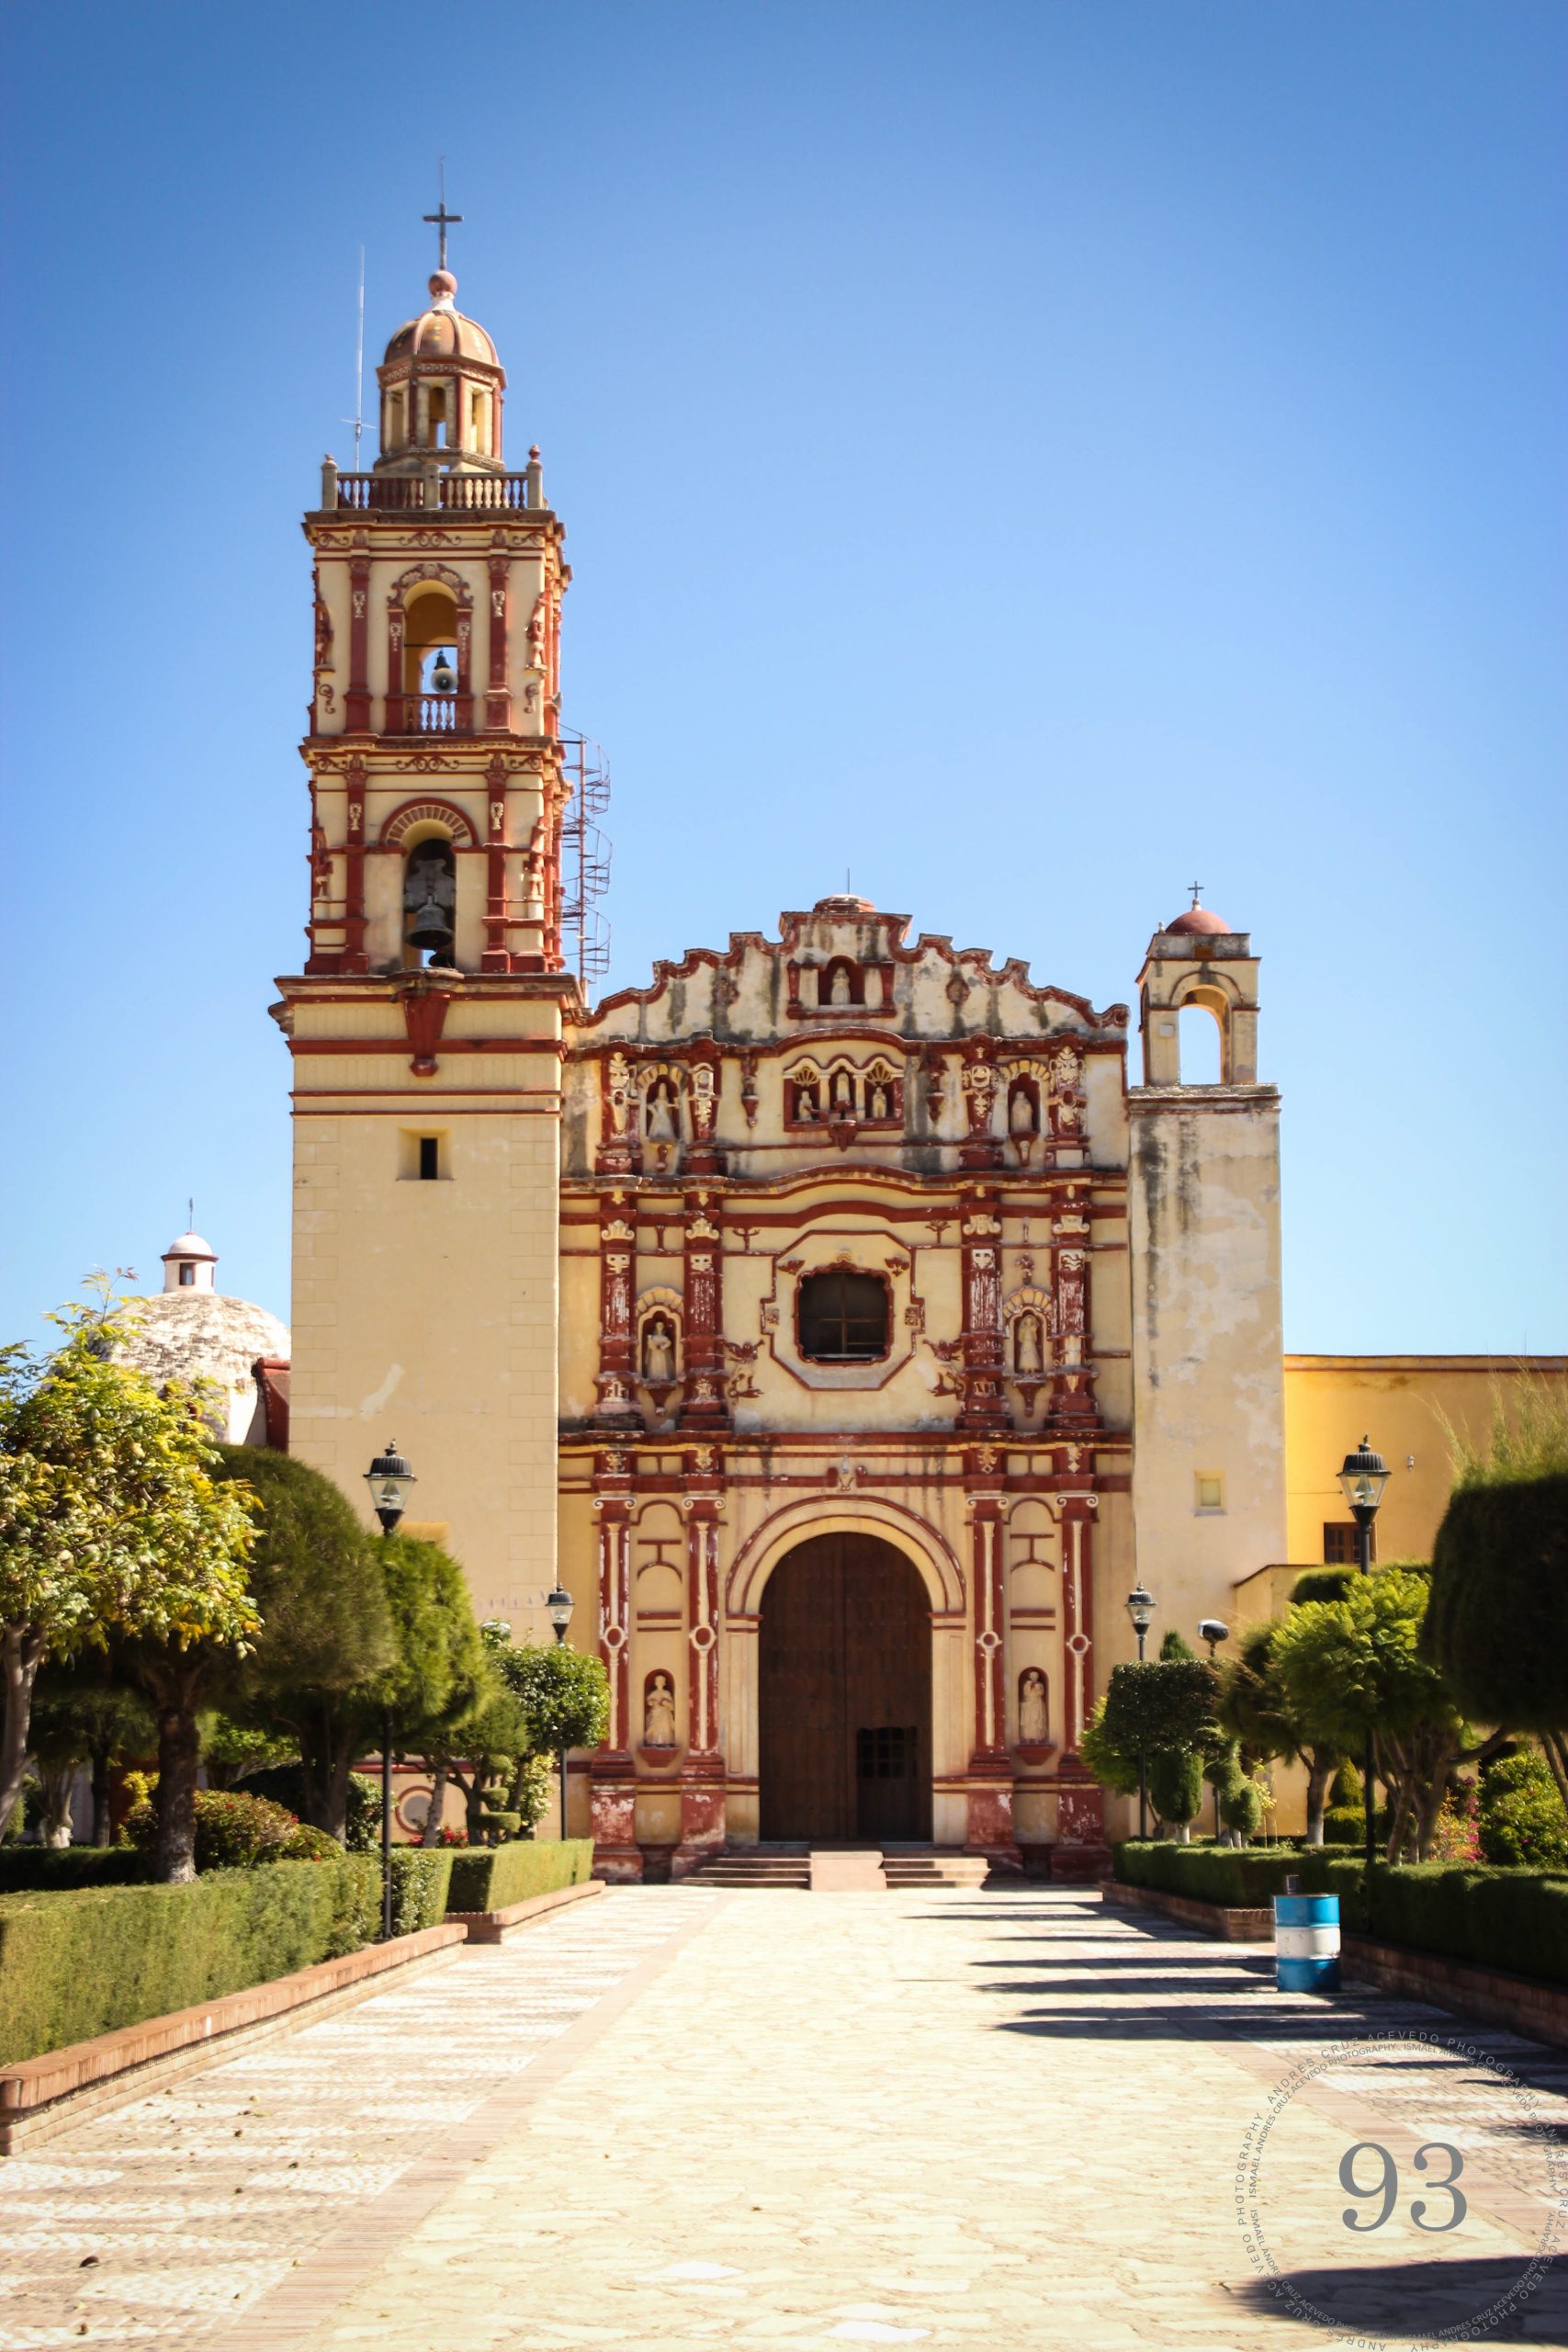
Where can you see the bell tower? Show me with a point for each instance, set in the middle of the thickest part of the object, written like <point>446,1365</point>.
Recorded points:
<point>1203,1189</point>
<point>426,1027</point>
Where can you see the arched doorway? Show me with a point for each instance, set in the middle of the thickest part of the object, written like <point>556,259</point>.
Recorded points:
<point>844,1694</point>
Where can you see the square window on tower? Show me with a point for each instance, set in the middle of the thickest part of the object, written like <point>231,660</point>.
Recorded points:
<point>423,1159</point>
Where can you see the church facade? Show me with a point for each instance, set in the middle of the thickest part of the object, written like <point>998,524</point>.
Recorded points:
<point>834,1317</point>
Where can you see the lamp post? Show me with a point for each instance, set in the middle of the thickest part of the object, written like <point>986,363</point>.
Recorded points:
<point>389,1478</point>
<point>1141,1610</point>
<point>1363,1476</point>
<point>1214,1630</point>
<point>559,1605</point>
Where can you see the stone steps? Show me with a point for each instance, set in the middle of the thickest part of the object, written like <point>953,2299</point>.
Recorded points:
<point>765,1867</point>
<point>935,1869</point>
<point>752,1869</point>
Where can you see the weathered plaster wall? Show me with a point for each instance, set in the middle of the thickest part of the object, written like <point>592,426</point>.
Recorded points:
<point>1204,1216</point>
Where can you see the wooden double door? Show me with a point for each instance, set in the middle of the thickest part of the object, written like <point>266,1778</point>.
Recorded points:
<point>844,1694</point>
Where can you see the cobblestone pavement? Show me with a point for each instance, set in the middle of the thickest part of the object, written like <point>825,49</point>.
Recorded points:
<point>671,2117</point>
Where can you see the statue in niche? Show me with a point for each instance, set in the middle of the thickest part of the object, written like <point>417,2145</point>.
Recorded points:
<point>879,1103</point>
<point>661,1113</point>
<point>620,1078</point>
<point>658,1713</point>
<point>843,1094</point>
<point>1021,1118</point>
<point>1034,1715</point>
<point>806,1103</point>
<point>1026,1354</point>
<point>657,1351</point>
<point>838,991</point>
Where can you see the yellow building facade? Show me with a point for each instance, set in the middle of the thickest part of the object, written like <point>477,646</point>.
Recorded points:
<point>834,1317</point>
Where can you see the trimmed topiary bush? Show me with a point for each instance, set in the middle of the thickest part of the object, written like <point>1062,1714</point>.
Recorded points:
<point>489,1878</point>
<point>1176,1786</point>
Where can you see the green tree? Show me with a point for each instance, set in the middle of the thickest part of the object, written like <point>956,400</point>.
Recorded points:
<point>1176,1788</point>
<point>83,1719</point>
<point>1351,1664</point>
<point>480,1752</point>
<point>321,1580</point>
<point>1111,1765</point>
<point>1243,1808</point>
<point>231,1750</point>
<point>1256,1709</point>
<point>1169,1705</point>
<point>1498,1627</point>
<point>430,1676</point>
<point>320,1628</point>
<point>564,1695</point>
<point>111,1524</point>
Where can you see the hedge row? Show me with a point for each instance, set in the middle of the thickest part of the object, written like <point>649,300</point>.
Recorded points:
<point>82,1962</point>
<point>1516,1919</point>
<point>421,1887</point>
<point>487,1878</point>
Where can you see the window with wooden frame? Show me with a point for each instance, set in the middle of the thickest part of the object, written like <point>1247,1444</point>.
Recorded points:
<point>843,1318</point>
<point>1339,1548</point>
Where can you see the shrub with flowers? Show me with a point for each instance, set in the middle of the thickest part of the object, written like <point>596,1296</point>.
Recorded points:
<point>234,1831</point>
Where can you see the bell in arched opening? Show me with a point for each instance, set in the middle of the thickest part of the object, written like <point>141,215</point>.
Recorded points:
<point>430,897</point>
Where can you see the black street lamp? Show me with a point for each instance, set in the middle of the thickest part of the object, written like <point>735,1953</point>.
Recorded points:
<point>1214,1630</point>
<point>559,1605</point>
<point>1141,1610</point>
<point>1363,1476</point>
<point>389,1478</point>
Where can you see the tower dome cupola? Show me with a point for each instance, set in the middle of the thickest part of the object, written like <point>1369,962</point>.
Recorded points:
<point>442,388</point>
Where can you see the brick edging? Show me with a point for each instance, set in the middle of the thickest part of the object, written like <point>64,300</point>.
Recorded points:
<point>1253,1925</point>
<point>122,2064</point>
<point>1494,1995</point>
<point>492,1927</point>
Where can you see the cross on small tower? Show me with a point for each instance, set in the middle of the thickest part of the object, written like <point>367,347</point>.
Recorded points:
<point>1194,887</point>
<point>442,219</point>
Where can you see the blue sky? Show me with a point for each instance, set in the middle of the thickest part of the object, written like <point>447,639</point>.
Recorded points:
<point>1028,455</point>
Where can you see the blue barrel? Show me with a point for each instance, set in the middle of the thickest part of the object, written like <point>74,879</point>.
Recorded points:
<point>1306,1943</point>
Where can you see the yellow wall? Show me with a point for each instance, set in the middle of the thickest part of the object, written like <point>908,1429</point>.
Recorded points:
<point>427,1312</point>
<point>1403,1404</point>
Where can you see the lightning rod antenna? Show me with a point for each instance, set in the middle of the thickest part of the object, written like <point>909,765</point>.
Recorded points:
<point>358,419</point>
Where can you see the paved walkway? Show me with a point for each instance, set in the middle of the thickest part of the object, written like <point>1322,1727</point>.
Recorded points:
<point>674,2118</point>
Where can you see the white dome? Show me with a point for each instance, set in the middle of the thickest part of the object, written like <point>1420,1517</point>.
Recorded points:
<point>193,1332</point>
<point>190,1245</point>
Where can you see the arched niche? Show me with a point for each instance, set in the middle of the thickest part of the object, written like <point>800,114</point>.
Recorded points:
<point>1204,1009</point>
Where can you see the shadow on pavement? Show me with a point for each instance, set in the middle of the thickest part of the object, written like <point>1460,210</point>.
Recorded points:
<point>1419,2299</point>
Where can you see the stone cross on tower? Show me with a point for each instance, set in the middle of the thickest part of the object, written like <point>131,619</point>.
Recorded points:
<point>441,220</point>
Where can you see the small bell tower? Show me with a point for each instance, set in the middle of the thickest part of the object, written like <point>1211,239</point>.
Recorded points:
<point>1203,1185</point>
<point>425,1026</point>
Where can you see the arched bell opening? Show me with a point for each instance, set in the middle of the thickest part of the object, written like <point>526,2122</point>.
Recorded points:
<point>429,640</point>
<point>430,904</point>
<point>1200,1043</point>
<point>844,1694</point>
